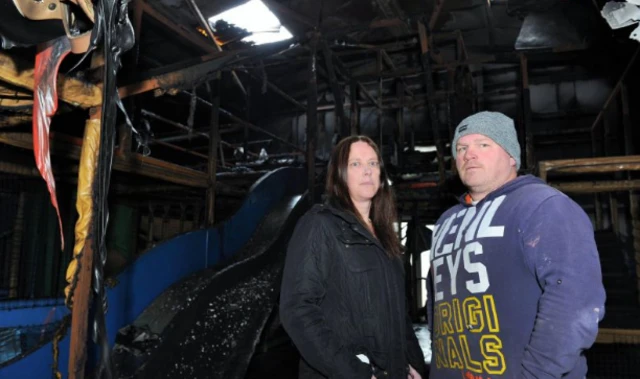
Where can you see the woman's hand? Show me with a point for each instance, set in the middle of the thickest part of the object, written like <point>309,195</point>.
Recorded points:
<point>413,374</point>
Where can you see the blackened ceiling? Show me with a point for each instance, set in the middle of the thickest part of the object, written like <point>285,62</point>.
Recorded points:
<point>370,52</point>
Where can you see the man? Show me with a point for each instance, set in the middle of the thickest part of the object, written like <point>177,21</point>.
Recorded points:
<point>515,287</point>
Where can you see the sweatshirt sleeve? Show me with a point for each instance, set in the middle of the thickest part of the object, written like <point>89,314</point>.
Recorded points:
<point>559,245</point>
<point>307,267</point>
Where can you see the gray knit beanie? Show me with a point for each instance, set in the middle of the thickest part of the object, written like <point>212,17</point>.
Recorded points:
<point>494,125</point>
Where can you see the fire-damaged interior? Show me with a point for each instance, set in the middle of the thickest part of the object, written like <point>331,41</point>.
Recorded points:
<point>223,135</point>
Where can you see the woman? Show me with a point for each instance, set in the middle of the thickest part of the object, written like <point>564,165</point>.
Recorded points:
<point>343,296</point>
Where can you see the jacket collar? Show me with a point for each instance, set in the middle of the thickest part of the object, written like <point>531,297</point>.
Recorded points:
<point>343,214</point>
<point>354,224</point>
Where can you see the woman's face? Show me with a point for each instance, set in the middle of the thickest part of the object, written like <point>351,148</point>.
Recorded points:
<point>363,172</point>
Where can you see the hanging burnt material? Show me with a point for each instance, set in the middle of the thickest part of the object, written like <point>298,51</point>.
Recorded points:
<point>45,104</point>
<point>112,34</point>
<point>113,30</point>
<point>57,28</point>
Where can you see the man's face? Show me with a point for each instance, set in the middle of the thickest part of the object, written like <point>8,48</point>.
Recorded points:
<point>483,165</point>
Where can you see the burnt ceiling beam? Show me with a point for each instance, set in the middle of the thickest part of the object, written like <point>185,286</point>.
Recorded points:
<point>130,68</point>
<point>391,9</point>
<point>197,40</point>
<point>182,149</point>
<point>615,91</point>
<point>488,14</point>
<point>415,71</point>
<point>432,111</point>
<point>175,137</point>
<point>85,95</point>
<point>437,10</point>
<point>15,99</point>
<point>69,147</point>
<point>589,165</point>
<point>173,123</point>
<point>233,117</point>
<point>205,24</point>
<point>597,186</point>
<point>240,122</point>
<point>73,91</point>
<point>355,109</point>
<point>337,90</point>
<point>312,117</point>
<point>213,89</point>
<point>187,35</point>
<point>392,66</point>
<point>393,22</point>
<point>221,189</point>
<point>344,71</point>
<point>526,113</point>
<point>418,100</point>
<point>194,133</point>
<point>180,78</point>
<point>259,129</point>
<point>255,142</point>
<point>9,121</point>
<point>280,92</point>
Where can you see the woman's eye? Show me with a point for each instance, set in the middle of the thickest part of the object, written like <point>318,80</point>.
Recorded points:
<point>355,164</point>
<point>374,164</point>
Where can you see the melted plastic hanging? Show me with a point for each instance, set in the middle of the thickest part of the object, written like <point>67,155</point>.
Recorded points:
<point>45,103</point>
<point>84,201</point>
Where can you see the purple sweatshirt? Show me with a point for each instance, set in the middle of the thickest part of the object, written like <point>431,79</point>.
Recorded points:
<point>515,286</point>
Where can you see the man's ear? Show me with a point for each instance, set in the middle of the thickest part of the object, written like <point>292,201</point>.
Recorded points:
<point>512,162</point>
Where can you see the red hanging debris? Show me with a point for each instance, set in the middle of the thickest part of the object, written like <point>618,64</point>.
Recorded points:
<point>45,104</point>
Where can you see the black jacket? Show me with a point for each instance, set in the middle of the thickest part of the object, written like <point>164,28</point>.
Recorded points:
<point>342,296</point>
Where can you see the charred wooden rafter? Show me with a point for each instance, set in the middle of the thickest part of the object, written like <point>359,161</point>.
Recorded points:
<point>15,100</point>
<point>312,117</point>
<point>589,165</point>
<point>195,37</point>
<point>392,66</point>
<point>437,10</point>
<point>433,114</point>
<point>337,90</point>
<point>355,109</point>
<point>597,186</point>
<point>526,113</point>
<point>187,35</point>
<point>9,121</point>
<point>69,147</point>
<point>280,92</point>
<point>342,69</point>
<point>614,93</point>
<point>214,142</point>
<point>240,122</point>
<point>70,90</point>
<point>205,25</point>
<point>392,9</point>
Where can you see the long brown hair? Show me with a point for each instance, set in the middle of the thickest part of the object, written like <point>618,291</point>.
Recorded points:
<point>383,209</point>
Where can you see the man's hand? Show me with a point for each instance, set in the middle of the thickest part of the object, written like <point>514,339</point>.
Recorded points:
<point>413,374</point>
